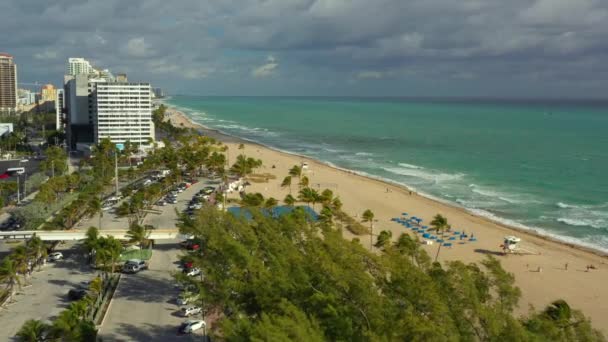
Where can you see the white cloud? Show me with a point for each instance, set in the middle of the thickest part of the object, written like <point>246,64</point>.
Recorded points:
<point>136,47</point>
<point>267,69</point>
<point>46,54</point>
<point>195,73</point>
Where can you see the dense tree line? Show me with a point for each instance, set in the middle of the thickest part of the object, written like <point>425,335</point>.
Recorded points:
<point>294,279</point>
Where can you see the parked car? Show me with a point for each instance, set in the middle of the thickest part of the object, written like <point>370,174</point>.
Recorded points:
<point>195,206</point>
<point>161,203</point>
<point>172,200</point>
<point>193,272</point>
<point>115,198</point>
<point>134,266</point>
<point>189,327</point>
<point>185,297</point>
<point>77,294</point>
<point>55,256</point>
<point>192,245</point>
<point>191,310</point>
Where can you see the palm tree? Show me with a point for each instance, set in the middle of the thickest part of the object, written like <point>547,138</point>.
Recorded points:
<point>384,238</point>
<point>109,252</point>
<point>286,183</point>
<point>295,171</point>
<point>138,234</point>
<point>289,200</point>
<point>252,200</point>
<point>304,182</point>
<point>21,259</point>
<point>38,249</point>
<point>244,166</point>
<point>33,330</point>
<point>307,195</point>
<point>10,276</point>
<point>326,216</point>
<point>368,216</point>
<point>93,207</point>
<point>439,224</point>
<point>270,203</point>
<point>336,204</point>
<point>91,243</point>
<point>327,196</point>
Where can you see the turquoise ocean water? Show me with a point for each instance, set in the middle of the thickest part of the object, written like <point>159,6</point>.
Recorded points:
<point>541,165</point>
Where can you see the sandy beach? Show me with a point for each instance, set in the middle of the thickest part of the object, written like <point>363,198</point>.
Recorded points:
<point>553,271</point>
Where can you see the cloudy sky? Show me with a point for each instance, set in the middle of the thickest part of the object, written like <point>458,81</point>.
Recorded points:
<point>499,48</point>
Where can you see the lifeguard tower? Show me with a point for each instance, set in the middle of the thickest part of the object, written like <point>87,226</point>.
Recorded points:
<point>510,244</point>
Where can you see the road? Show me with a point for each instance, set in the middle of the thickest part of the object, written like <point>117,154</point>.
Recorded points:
<point>144,307</point>
<point>46,297</point>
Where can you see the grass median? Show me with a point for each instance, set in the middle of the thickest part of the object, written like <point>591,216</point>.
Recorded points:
<point>144,254</point>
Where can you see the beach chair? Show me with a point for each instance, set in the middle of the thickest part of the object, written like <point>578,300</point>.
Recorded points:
<point>440,240</point>
<point>473,239</point>
<point>433,237</point>
<point>447,244</point>
<point>426,235</point>
<point>452,238</point>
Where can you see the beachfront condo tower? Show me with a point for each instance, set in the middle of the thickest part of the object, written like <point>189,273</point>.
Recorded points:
<point>8,84</point>
<point>123,111</point>
<point>79,66</point>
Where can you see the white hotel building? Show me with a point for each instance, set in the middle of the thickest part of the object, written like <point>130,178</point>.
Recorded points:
<point>123,111</point>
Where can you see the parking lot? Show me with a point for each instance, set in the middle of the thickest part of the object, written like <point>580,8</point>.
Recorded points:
<point>144,307</point>
<point>46,295</point>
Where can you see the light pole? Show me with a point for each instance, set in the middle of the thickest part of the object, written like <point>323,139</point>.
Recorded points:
<point>116,172</point>
<point>18,189</point>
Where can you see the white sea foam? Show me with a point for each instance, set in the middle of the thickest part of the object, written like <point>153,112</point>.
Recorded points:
<point>364,154</point>
<point>594,216</point>
<point>563,205</point>
<point>435,177</point>
<point>411,166</point>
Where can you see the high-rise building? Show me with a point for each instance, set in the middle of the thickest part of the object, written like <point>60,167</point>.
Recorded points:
<point>158,93</point>
<point>78,104</point>
<point>59,105</point>
<point>78,66</point>
<point>123,111</point>
<point>8,83</point>
<point>48,93</point>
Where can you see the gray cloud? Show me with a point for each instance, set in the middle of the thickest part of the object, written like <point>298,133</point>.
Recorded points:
<point>512,48</point>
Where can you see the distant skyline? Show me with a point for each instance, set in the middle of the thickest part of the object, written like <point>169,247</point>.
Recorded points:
<point>436,48</point>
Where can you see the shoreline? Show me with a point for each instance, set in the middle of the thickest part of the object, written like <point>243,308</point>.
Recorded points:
<point>541,268</point>
<point>530,231</point>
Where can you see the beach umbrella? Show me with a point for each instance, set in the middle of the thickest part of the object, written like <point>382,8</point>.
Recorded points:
<point>404,214</point>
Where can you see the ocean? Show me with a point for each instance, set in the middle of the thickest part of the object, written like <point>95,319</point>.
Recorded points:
<point>533,164</point>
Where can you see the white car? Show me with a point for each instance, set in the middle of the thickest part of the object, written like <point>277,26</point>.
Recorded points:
<point>55,256</point>
<point>189,327</point>
<point>192,310</point>
<point>185,298</point>
<point>24,160</point>
<point>193,272</point>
